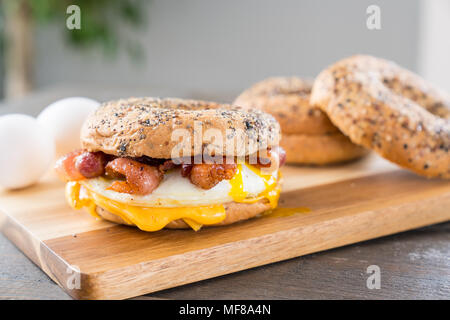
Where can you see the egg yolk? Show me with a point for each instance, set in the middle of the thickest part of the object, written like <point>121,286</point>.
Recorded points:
<point>271,191</point>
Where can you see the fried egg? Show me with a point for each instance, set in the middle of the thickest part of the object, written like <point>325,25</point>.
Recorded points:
<point>177,191</point>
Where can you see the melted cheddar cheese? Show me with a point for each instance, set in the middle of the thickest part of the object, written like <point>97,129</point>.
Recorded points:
<point>156,218</point>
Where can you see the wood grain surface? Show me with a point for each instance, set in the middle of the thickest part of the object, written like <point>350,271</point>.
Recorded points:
<point>414,265</point>
<point>350,203</point>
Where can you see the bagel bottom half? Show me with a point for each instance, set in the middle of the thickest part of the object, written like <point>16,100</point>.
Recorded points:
<point>234,212</point>
<point>320,149</point>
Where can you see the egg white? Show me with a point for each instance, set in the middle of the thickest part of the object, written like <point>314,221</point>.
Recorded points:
<point>177,191</point>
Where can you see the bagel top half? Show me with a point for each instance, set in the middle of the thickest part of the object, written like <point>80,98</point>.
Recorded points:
<point>148,127</point>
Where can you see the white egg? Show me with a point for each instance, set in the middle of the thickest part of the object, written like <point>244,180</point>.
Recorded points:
<point>27,151</point>
<point>64,118</point>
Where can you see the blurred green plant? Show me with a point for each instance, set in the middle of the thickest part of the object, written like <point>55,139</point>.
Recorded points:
<point>100,22</point>
<point>104,24</point>
<point>100,19</point>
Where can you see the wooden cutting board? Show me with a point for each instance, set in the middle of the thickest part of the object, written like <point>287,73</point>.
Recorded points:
<point>94,259</point>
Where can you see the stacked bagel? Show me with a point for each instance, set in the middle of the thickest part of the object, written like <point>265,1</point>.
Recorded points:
<point>388,109</point>
<point>359,103</point>
<point>308,135</point>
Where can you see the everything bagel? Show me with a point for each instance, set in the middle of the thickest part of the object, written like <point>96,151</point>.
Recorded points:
<point>384,107</point>
<point>320,149</point>
<point>144,127</point>
<point>287,99</point>
<point>309,137</point>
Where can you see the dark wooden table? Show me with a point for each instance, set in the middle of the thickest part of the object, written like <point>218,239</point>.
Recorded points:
<point>414,264</point>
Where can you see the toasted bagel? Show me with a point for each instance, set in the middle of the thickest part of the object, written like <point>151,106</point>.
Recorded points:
<point>390,110</point>
<point>309,137</point>
<point>287,99</point>
<point>145,127</point>
<point>320,149</point>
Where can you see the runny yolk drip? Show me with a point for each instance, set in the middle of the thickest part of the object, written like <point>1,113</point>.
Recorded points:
<point>285,212</point>
<point>237,186</point>
<point>77,201</point>
<point>271,191</point>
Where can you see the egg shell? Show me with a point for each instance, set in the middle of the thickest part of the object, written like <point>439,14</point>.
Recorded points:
<point>64,118</point>
<point>27,151</point>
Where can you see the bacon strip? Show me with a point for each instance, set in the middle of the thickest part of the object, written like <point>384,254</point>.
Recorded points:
<point>91,164</point>
<point>207,176</point>
<point>65,167</point>
<point>140,178</point>
<point>79,165</point>
<point>186,170</point>
<point>271,154</point>
<point>166,166</point>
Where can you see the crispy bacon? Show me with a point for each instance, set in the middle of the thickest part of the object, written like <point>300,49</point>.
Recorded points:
<point>207,176</point>
<point>79,165</point>
<point>265,160</point>
<point>143,175</point>
<point>91,164</point>
<point>186,170</point>
<point>140,178</point>
<point>166,166</point>
<point>66,169</point>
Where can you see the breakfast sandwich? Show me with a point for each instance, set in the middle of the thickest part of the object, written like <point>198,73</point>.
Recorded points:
<point>172,163</point>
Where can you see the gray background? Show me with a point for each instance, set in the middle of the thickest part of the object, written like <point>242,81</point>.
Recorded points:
<point>217,48</point>
<point>214,49</point>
